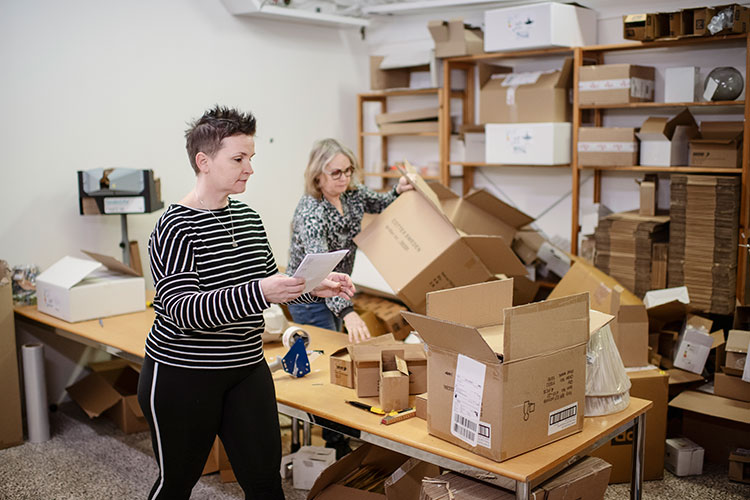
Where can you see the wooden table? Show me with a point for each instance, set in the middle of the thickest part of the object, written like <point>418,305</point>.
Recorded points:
<point>313,396</point>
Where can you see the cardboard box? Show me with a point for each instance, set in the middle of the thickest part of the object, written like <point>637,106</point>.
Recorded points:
<point>664,141</point>
<point>381,315</point>
<point>630,329</point>
<point>732,387</point>
<point>420,405</point>
<point>586,480</point>
<point>555,259</point>
<point>652,385</point>
<point>341,365</point>
<point>386,74</point>
<point>474,143</point>
<point>683,457</point>
<point>449,486</point>
<point>532,97</point>
<point>538,26</point>
<point>308,463</point>
<point>695,21</point>
<point>526,244</point>
<point>739,465</point>
<point>645,27</point>
<point>675,24</point>
<point>404,475</point>
<point>366,361</point>
<point>682,84</point>
<point>740,18</point>
<point>694,345</point>
<point>607,146</point>
<point>499,385</point>
<point>417,127</point>
<point>416,245</point>
<point>11,423</point>
<point>736,348</point>
<point>393,388</point>
<point>454,38</point>
<point>717,424</point>
<point>719,145</point>
<point>615,84</point>
<point>528,143</point>
<point>111,388</point>
<point>412,115</point>
<point>647,192</point>
<point>75,289</point>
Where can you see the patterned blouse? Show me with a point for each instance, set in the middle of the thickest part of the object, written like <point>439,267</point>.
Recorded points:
<point>318,227</point>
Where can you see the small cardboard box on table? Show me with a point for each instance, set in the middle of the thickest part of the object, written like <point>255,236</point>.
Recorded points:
<point>503,380</point>
<point>541,25</point>
<point>630,329</point>
<point>76,289</point>
<point>432,239</point>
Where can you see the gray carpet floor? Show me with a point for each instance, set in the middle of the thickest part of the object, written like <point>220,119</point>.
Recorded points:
<point>93,460</point>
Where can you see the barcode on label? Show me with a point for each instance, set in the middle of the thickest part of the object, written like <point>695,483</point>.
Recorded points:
<point>562,415</point>
<point>562,418</point>
<point>465,428</point>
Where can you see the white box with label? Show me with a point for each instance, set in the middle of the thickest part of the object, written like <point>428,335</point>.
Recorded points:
<point>528,143</point>
<point>682,457</point>
<point>682,84</point>
<point>537,26</point>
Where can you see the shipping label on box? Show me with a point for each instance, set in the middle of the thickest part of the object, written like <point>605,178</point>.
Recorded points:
<point>533,387</point>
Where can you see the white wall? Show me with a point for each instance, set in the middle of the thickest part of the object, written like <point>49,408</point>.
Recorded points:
<point>100,83</point>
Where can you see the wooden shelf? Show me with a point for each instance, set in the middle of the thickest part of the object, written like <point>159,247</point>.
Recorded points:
<point>482,164</point>
<point>556,51</point>
<point>378,134</point>
<point>396,175</point>
<point>673,170</point>
<point>668,42</point>
<point>639,105</point>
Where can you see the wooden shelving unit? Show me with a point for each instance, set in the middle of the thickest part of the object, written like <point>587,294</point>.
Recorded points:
<point>596,54</point>
<point>382,97</point>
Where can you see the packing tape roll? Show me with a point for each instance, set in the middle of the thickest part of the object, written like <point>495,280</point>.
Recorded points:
<point>291,332</point>
<point>35,386</point>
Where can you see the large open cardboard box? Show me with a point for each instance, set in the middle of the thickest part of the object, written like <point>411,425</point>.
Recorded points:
<point>719,145</point>
<point>76,289</point>
<point>630,329</point>
<point>11,424</point>
<point>664,141</point>
<point>111,388</point>
<point>431,239</point>
<point>503,380</point>
<point>524,97</point>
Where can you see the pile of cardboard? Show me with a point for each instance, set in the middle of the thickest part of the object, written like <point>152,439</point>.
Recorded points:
<point>704,238</point>
<point>415,121</point>
<point>625,245</point>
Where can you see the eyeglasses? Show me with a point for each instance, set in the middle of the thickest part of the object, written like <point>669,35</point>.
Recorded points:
<point>336,174</point>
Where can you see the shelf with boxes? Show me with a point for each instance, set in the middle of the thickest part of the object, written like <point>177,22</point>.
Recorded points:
<point>674,144</point>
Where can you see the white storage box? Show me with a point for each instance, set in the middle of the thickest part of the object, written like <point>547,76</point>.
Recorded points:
<point>682,457</point>
<point>664,141</point>
<point>308,463</point>
<point>475,147</point>
<point>528,143</point>
<point>682,84</point>
<point>75,289</point>
<point>538,26</point>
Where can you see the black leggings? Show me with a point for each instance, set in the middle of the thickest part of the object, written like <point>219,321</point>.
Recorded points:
<point>186,410</point>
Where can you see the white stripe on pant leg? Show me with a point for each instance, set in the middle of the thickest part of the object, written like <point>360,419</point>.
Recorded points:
<point>159,454</point>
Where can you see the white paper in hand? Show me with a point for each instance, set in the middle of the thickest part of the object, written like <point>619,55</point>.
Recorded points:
<point>315,267</point>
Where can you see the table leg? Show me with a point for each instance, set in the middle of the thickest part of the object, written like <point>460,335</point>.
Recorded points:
<point>295,434</point>
<point>522,490</point>
<point>306,433</point>
<point>639,442</point>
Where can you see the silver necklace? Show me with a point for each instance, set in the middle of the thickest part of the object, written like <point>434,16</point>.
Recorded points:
<point>231,221</point>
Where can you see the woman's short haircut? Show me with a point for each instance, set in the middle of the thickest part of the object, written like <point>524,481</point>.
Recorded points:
<point>321,155</point>
<point>206,133</point>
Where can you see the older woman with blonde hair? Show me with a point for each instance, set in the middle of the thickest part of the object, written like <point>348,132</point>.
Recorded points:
<point>327,218</point>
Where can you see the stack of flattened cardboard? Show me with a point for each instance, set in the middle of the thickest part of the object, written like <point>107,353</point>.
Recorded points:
<point>624,247</point>
<point>703,239</point>
<point>413,121</point>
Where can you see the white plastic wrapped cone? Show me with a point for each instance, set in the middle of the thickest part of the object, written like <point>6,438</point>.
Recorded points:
<point>607,383</point>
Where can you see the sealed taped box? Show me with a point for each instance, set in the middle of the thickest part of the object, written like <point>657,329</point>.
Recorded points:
<point>537,26</point>
<point>615,84</point>
<point>111,389</point>
<point>683,457</point>
<point>528,143</point>
<point>75,289</point>
<point>607,146</point>
<point>499,383</point>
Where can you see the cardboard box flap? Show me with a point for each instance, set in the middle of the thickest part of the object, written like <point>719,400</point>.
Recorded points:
<point>339,469</point>
<point>496,255</point>
<point>414,59</point>
<point>412,115</point>
<point>487,301</point>
<point>487,70</point>
<point>678,376</point>
<point>442,192</point>
<point>660,128</point>
<point>68,271</point>
<point>598,320</point>
<point>112,264</point>
<point>718,338</point>
<point>607,294</point>
<point>452,337</point>
<point>497,208</point>
<point>134,407</point>
<point>712,405</point>
<point>720,131</point>
<point>94,394</point>
<point>421,187</point>
<point>439,30</point>
<point>738,341</point>
<point>371,352</point>
<point>547,326</point>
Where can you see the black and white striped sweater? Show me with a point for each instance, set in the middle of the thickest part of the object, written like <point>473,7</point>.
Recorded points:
<point>208,304</point>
